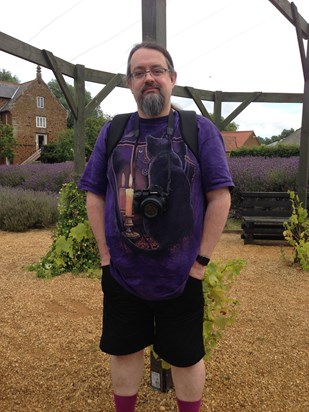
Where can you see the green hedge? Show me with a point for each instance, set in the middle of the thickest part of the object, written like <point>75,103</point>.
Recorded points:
<point>279,150</point>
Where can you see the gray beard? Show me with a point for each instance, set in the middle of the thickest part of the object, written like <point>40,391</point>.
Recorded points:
<point>152,104</point>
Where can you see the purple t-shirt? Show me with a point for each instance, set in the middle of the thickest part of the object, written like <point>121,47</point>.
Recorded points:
<point>151,258</point>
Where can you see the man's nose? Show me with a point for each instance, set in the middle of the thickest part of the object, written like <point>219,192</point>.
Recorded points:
<point>148,74</point>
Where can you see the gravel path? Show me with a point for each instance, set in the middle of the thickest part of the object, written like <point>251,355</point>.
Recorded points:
<point>49,357</point>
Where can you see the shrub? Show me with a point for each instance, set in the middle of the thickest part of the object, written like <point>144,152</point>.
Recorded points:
<point>74,248</point>
<point>21,210</point>
<point>262,175</point>
<point>220,308</point>
<point>11,176</point>
<point>37,176</point>
<point>7,142</point>
<point>279,150</point>
<point>60,151</point>
<point>297,232</point>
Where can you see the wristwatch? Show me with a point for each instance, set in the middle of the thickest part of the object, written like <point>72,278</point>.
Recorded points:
<point>202,260</point>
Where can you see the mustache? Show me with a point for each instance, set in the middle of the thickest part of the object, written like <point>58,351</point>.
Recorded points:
<point>148,86</point>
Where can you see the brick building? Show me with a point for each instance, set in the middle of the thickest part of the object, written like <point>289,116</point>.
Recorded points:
<point>235,140</point>
<point>35,113</point>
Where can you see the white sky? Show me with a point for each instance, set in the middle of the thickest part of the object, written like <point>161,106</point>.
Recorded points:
<point>228,45</point>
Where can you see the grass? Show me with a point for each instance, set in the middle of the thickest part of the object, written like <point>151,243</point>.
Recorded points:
<point>233,224</point>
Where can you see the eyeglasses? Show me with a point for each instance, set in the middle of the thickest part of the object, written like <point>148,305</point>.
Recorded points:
<point>155,72</point>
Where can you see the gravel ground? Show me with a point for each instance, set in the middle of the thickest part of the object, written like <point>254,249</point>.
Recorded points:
<point>49,357</point>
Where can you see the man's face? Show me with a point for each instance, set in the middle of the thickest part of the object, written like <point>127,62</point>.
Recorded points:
<point>152,93</point>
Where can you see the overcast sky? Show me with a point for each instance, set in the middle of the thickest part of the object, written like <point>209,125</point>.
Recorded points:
<point>228,45</point>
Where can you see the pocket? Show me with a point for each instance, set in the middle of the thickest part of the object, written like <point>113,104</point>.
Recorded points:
<point>194,290</point>
<point>105,273</point>
<point>190,277</point>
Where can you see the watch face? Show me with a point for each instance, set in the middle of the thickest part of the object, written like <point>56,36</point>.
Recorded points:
<point>202,260</point>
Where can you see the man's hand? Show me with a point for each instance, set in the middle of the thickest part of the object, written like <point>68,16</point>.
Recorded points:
<point>197,271</point>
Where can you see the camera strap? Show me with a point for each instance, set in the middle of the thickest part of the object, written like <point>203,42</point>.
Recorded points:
<point>169,136</point>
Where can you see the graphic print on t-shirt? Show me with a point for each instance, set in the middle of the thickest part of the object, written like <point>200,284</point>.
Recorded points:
<point>161,170</point>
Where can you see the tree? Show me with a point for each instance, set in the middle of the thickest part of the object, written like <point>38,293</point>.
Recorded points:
<point>93,125</point>
<point>62,150</point>
<point>231,127</point>
<point>267,140</point>
<point>7,76</point>
<point>7,142</point>
<point>286,132</point>
<point>55,88</point>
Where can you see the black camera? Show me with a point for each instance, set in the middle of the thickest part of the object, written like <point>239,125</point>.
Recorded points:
<point>150,202</point>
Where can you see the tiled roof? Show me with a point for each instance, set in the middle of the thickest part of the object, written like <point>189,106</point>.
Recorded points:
<point>8,89</point>
<point>11,92</point>
<point>234,140</point>
<point>293,138</point>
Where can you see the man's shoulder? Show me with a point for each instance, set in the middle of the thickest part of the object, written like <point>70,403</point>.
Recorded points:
<point>206,126</point>
<point>116,129</point>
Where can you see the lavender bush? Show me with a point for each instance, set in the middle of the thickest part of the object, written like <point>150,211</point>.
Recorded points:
<point>260,174</point>
<point>21,209</point>
<point>37,176</point>
<point>249,174</point>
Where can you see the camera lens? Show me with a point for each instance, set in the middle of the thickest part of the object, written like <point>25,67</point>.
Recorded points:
<point>151,207</point>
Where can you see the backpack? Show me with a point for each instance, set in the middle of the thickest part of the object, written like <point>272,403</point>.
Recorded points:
<point>188,128</point>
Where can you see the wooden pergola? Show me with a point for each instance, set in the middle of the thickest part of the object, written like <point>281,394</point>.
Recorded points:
<point>154,28</point>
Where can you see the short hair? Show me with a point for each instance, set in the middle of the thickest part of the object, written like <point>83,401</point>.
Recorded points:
<point>154,46</point>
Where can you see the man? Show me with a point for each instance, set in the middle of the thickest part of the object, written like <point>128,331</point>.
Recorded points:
<point>157,214</point>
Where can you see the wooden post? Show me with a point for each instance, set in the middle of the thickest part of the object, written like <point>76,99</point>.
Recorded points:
<point>154,21</point>
<point>79,122</point>
<point>302,178</point>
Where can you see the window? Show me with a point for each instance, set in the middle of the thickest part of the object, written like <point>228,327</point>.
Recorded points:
<point>40,102</point>
<point>40,121</point>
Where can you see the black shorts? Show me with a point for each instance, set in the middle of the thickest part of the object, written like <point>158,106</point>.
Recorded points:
<point>173,326</point>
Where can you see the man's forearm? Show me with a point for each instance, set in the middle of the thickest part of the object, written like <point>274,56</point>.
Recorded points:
<point>218,207</point>
<point>95,210</point>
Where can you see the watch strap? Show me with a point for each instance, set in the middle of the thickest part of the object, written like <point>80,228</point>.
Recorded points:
<point>202,260</point>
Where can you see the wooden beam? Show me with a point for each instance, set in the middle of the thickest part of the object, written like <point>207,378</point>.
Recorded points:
<point>198,101</point>
<point>24,51</point>
<point>154,21</point>
<point>57,72</point>
<point>239,109</point>
<point>304,59</point>
<point>285,8</point>
<point>116,80</point>
<point>233,97</point>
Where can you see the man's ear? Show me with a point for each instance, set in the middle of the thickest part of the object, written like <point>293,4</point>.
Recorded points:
<point>174,78</point>
<point>129,83</point>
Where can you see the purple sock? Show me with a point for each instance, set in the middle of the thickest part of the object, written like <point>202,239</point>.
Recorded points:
<point>184,406</point>
<point>125,403</point>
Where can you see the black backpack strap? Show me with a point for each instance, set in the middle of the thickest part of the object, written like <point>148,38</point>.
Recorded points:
<point>116,130</point>
<point>188,127</point>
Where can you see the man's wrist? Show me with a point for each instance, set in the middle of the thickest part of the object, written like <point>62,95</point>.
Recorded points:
<point>202,260</point>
